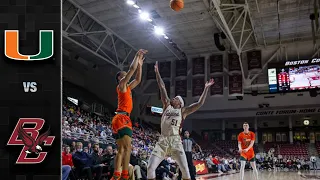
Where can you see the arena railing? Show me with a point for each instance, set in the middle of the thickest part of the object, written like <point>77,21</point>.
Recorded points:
<point>88,137</point>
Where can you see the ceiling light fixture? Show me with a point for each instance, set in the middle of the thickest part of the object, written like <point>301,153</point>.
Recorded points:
<point>130,2</point>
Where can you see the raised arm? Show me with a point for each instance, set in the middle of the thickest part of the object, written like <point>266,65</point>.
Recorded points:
<point>134,83</point>
<point>195,106</point>
<point>123,82</point>
<point>163,92</point>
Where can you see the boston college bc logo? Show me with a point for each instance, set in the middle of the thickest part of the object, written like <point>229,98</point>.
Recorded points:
<point>31,141</point>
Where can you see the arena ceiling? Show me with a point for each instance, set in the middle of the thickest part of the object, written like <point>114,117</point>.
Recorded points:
<point>107,33</point>
<point>267,22</point>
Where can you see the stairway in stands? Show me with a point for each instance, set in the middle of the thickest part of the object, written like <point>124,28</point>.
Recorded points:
<point>260,148</point>
<point>312,150</point>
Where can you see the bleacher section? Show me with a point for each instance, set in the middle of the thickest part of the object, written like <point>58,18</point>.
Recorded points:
<point>297,150</point>
<point>318,147</point>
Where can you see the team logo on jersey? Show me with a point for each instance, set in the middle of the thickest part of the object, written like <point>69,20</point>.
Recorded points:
<point>11,46</point>
<point>31,141</point>
<point>172,113</point>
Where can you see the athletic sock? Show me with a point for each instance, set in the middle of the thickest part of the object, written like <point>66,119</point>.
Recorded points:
<point>125,174</point>
<point>116,175</point>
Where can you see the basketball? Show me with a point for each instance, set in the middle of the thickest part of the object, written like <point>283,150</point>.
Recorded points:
<point>176,5</point>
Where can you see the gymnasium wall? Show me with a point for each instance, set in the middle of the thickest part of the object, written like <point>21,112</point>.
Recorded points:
<point>294,51</point>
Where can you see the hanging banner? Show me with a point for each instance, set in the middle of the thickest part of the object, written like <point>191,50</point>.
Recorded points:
<point>216,64</point>
<point>254,60</point>
<point>181,88</point>
<point>197,86</point>
<point>181,67</point>
<point>217,88</point>
<point>235,85</point>
<point>150,71</point>
<point>165,69</point>
<point>198,65</point>
<point>233,62</point>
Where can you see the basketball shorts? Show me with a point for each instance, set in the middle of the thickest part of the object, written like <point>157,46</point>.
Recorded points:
<point>121,126</point>
<point>172,145</point>
<point>248,156</point>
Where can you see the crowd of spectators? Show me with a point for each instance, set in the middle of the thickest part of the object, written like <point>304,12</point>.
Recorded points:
<point>89,151</point>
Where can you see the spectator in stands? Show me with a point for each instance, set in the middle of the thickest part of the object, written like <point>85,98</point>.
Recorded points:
<point>103,135</point>
<point>216,161</point>
<point>86,150</point>
<point>67,157</point>
<point>65,172</point>
<point>164,171</point>
<point>313,160</point>
<point>82,162</point>
<point>224,162</point>
<point>90,150</point>
<point>73,147</point>
<point>97,161</point>
<point>305,165</point>
<point>109,160</point>
<point>134,161</point>
<point>211,166</point>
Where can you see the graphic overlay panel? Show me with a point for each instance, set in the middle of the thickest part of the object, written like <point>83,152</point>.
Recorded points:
<point>30,100</point>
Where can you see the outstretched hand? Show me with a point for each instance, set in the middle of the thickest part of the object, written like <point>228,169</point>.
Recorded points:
<point>156,68</point>
<point>141,60</point>
<point>140,56</point>
<point>209,83</point>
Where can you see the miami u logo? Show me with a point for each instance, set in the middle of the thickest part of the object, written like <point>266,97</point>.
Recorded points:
<point>11,38</point>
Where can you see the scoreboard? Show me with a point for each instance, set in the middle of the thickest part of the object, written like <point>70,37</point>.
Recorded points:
<point>292,76</point>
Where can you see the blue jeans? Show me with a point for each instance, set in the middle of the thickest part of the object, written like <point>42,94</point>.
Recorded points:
<point>221,168</point>
<point>65,172</point>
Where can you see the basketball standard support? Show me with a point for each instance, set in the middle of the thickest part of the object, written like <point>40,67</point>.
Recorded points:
<point>235,21</point>
<point>87,32</point>
<point>122,48</point>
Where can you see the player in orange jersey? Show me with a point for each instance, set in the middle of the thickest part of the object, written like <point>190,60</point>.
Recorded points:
<point>121,123</point>
<point>245,143</point>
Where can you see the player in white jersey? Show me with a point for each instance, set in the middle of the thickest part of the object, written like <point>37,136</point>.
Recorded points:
<point>174,112</point>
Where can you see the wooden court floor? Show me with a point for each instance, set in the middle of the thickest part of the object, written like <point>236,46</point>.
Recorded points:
<point>265,175</point>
